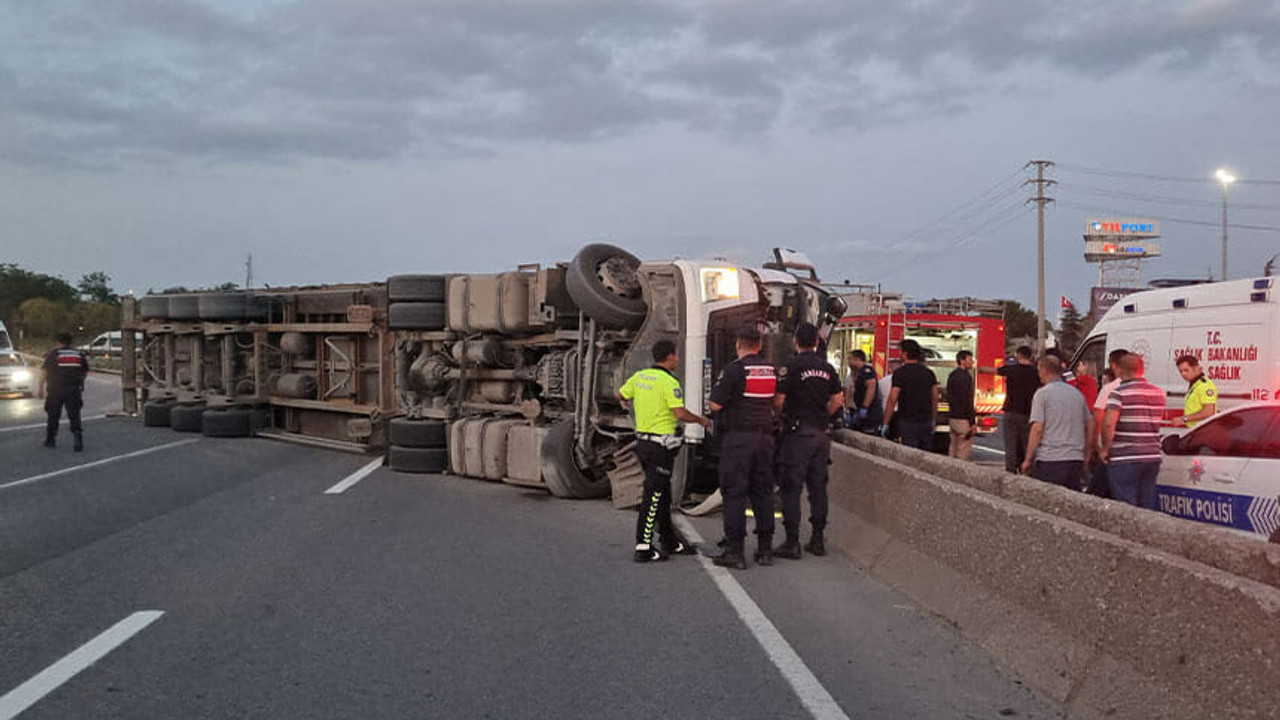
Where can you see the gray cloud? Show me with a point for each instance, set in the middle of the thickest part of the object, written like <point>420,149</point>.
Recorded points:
<point>91,83</point>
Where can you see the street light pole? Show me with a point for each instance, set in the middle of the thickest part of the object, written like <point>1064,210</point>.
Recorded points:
<point>1226,179</point>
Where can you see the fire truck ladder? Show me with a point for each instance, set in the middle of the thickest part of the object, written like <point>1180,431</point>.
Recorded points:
<point>896,324</point>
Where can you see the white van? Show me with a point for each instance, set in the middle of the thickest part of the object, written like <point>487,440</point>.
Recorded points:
<point>1226,471</point>
<point>109,345</point>
<point>1233,328</point>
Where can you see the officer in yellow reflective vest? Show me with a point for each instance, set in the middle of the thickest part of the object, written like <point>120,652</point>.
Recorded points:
<point>1202,394</point>
<point>658,404</point>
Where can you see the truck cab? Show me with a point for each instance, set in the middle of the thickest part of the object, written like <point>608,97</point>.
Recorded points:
<point>533,359</point>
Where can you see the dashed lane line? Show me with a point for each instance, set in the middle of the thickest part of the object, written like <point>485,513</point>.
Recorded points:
<point>33,426</point>
<point>52,677</point>
<point>95,463</point>
<point>354,478</point>
<point>808,689</point>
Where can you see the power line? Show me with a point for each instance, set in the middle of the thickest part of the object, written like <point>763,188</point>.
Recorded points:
<point>1157,177</point>
<point>1165,199</point>
<point>1176,221</point>
<point>964,210</point>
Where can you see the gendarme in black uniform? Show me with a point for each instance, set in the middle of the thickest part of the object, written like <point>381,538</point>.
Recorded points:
<point>808,386</point>
<point>858,399</point>
<point>745,392</point>
<point>64,370</point>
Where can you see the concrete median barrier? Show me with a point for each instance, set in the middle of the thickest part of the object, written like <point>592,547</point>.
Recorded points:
<point>1108,610</point>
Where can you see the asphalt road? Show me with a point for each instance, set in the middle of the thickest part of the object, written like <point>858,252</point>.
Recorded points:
<point>101,396</point>
<point>415,596</point>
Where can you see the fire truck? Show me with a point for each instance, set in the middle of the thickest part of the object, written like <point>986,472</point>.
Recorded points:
<point>878,322</point>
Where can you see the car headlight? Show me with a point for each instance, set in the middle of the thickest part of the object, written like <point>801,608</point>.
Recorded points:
<point>21,376</point>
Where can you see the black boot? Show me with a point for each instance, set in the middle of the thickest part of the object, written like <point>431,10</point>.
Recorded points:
<point>647,554</point>
<point>815,546</point>
<point>49,441</point>
<point>732,556</point>
<point>79,446</point>
<point>764,551</point>
<point>677,545</point>
<point>790,549</point>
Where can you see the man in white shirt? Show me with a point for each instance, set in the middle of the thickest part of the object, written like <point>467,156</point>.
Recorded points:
<point>884,385</point>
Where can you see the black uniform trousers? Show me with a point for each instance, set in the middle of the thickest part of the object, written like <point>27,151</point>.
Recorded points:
<point>804,458</point>
<point>746,472</point>
<point>655,506</point>
<point>72,398</point>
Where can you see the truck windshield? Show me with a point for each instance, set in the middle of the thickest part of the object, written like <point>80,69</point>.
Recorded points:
<point>4,340</point>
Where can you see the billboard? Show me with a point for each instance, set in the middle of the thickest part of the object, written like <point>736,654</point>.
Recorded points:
<point>1102,298</point>
<point>1122,227</point>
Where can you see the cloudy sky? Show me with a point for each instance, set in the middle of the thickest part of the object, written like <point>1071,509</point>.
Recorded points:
<point>162,141</point>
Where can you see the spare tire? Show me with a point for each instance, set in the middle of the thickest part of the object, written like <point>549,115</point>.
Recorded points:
<point>416,288</point>
<point>184,307</point>
<point>560,471</point>
<point>186,418</point>
<point>417,433</point>
<point>417,460</point>
<point>416,316</point>
<point>227,423</point>
<point>156,414</point>
<point>153,307</point>
<point>603,284</point>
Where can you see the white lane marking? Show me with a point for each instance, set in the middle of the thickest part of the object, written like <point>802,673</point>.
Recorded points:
<point>42,425</point>
<point>811,693</point>
<point>49,679</point>
<point>354,478</point>
<point>987,449</point>
<point>96,463</point>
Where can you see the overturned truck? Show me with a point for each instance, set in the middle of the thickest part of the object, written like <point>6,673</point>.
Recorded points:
<point>512,376</point>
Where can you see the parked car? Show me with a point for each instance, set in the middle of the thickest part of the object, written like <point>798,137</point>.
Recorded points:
<point>16,377</point>
<point>1226,471</point>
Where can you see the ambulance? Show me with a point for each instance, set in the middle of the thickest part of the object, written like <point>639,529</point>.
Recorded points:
<point>1227,470</point>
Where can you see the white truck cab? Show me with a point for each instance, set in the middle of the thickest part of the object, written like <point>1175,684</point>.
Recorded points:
<point>6,344</point>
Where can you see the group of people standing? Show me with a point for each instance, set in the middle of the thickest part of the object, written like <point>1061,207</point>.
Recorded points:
<point>1060,427</point>
<point>751,402</point>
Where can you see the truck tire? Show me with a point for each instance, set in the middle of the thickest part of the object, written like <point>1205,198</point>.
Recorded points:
<point>156,414</point>
<point>222,306</point>
<point>416,288</point>
<point>564,478</point>
<point>416,316</point>
<point>227,423</point>
<point>184,307</point>
<point>417,433</point>
<point>153,307</point>
<point>417,460</point>
<point>186,418</point>
<point>602,282</point>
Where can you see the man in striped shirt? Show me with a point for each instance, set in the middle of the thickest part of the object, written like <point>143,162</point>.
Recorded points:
<point>1131,435</point>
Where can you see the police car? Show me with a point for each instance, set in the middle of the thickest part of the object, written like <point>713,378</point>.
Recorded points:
<point>15,376</point>
<point>1226,471</point>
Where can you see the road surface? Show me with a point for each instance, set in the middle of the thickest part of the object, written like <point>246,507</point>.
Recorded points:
<point>188,577</point>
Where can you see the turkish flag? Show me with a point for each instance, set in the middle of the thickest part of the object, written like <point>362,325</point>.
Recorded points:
<point>1066,303</point>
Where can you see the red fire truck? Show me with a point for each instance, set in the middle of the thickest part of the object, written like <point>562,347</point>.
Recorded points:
<point>943,328</point>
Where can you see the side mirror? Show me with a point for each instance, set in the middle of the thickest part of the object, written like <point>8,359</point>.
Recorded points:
<point>836,307</point>
<point>1171,445</point>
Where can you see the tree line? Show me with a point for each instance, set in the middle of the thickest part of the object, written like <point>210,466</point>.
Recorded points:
<point>37,307</point>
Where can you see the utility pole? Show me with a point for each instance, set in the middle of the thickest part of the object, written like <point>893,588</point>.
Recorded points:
<point>248,272</point>
<point>1040,200</point>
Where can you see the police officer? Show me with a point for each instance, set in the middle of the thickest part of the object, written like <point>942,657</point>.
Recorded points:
<point>808,395</point>
<point>1202,394</point>
<point>743,397</point>
<point>63,374</point>
<point>863,401</point>
<point>658,403</point>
